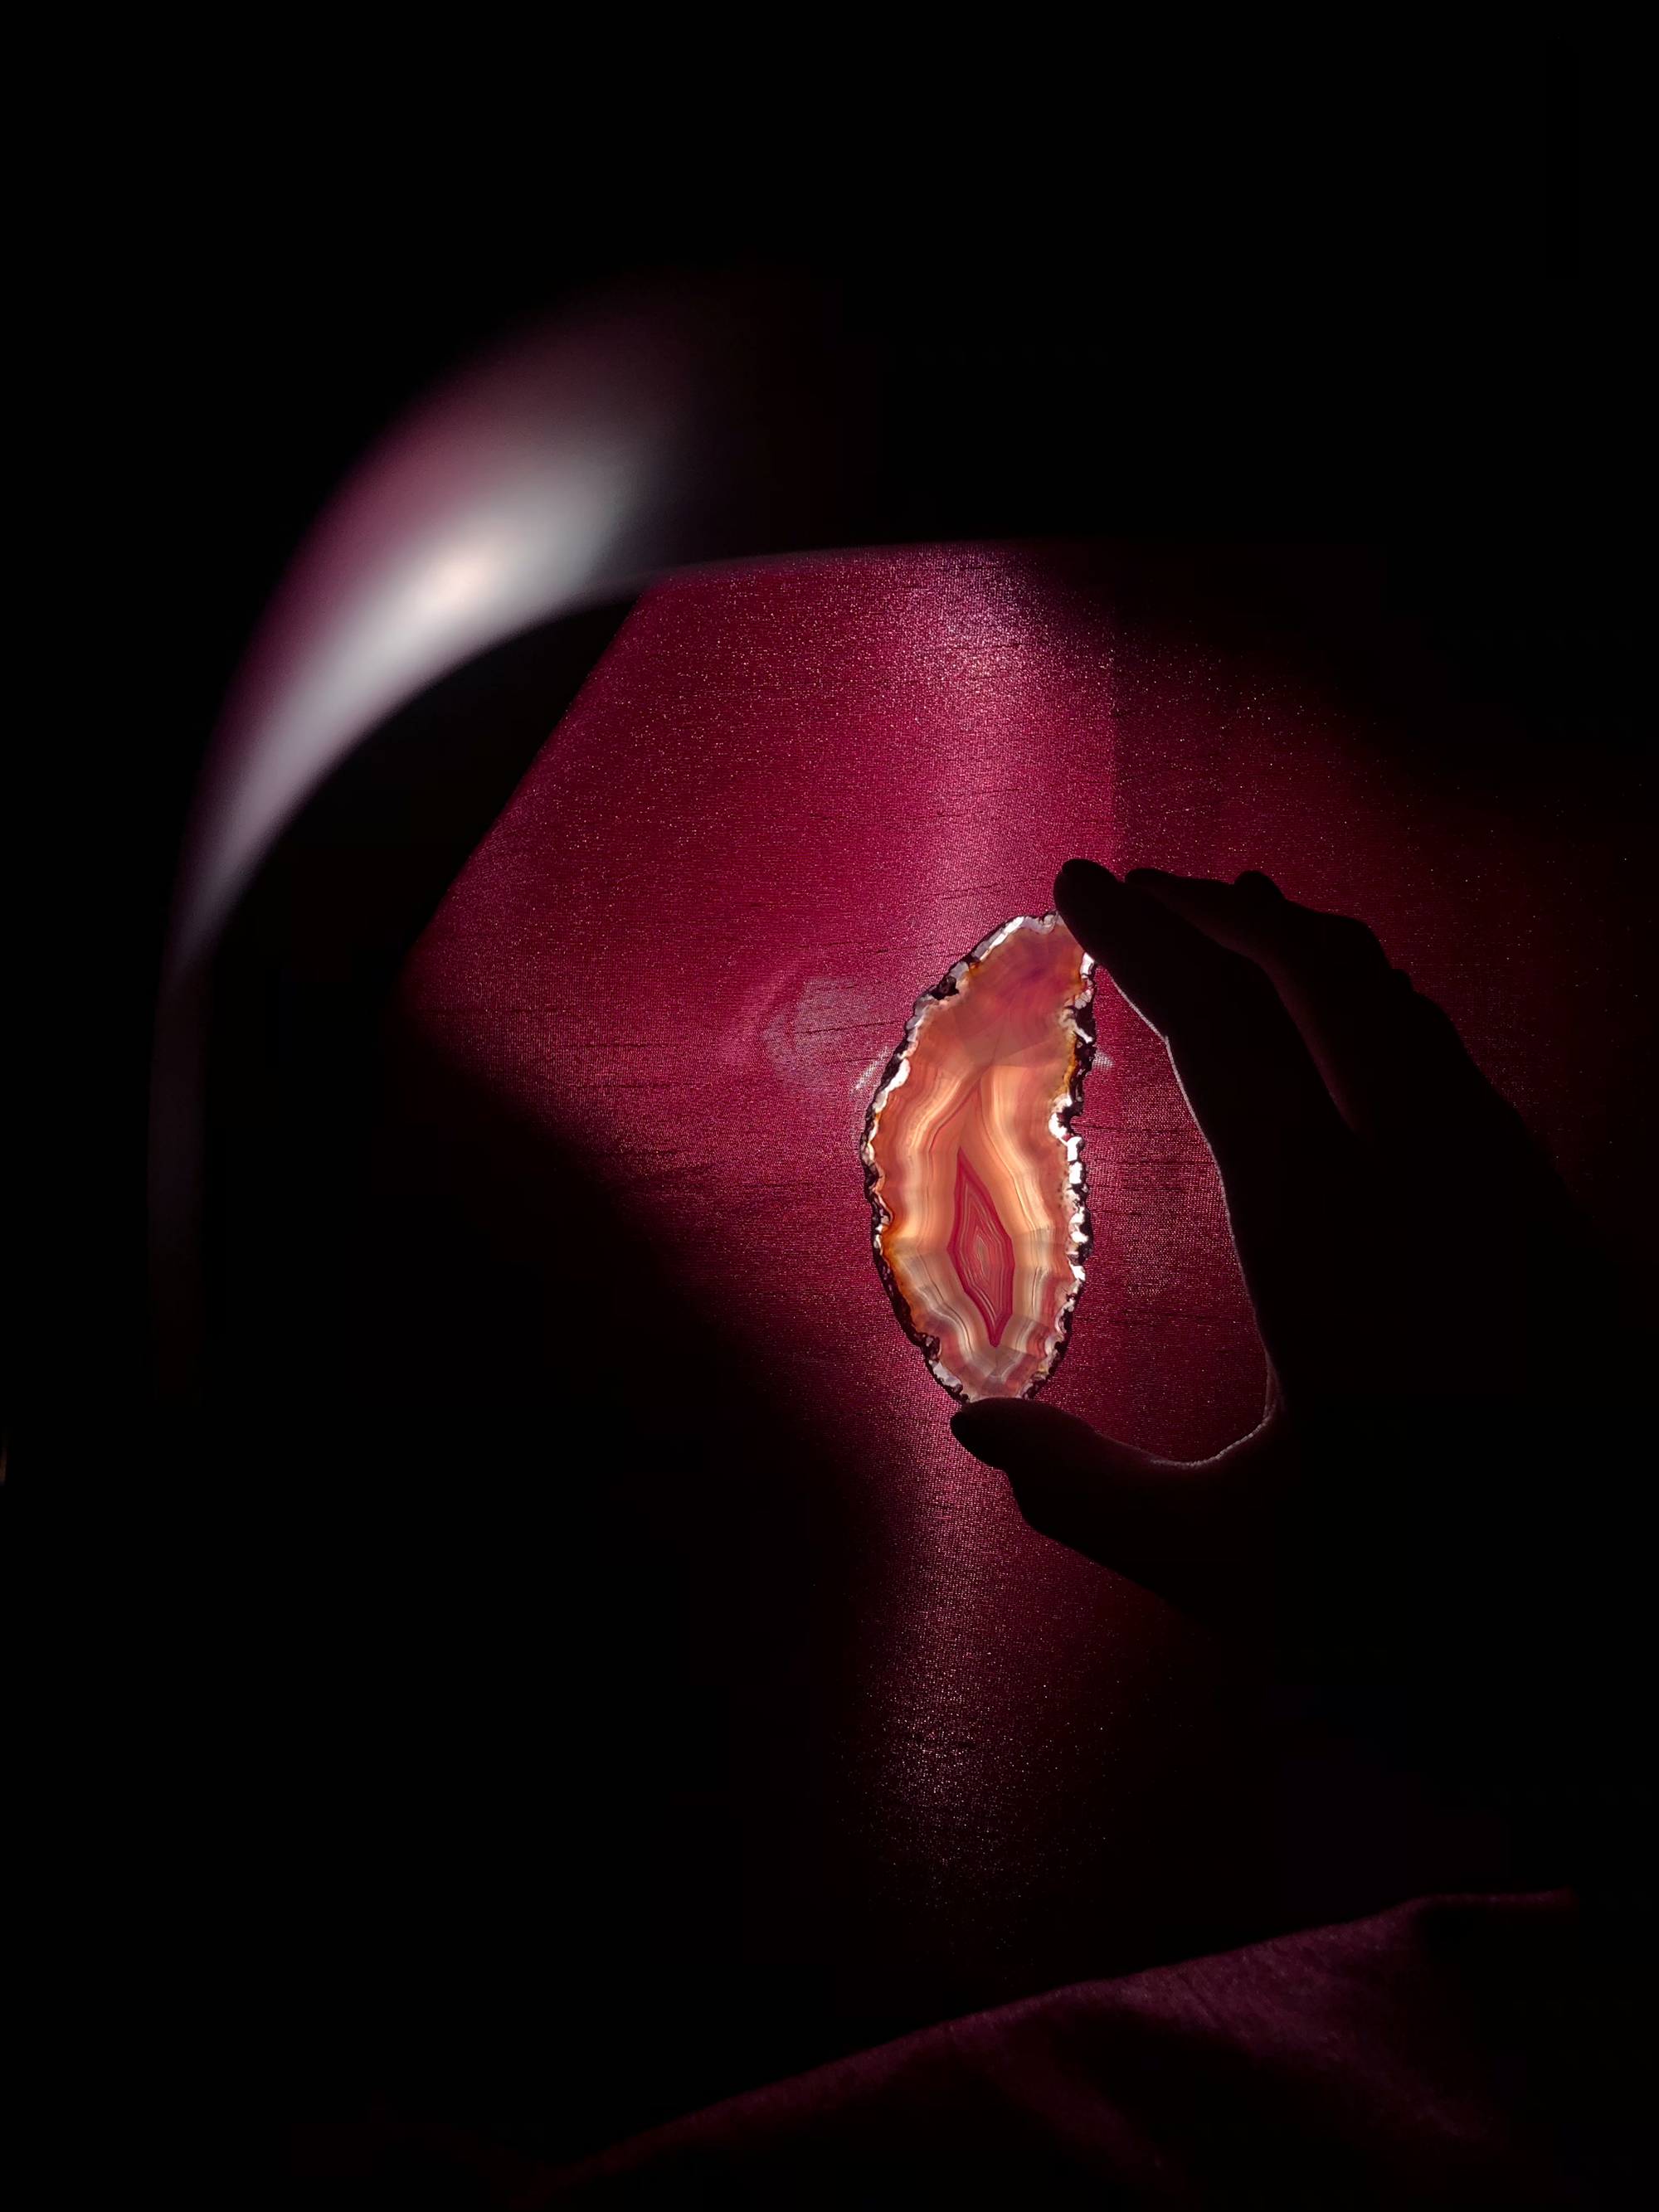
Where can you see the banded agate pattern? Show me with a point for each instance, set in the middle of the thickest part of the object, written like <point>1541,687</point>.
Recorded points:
<point>975,1181</point>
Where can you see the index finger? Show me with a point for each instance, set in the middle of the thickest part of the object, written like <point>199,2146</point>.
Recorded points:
<point>1391,1058</point>
<point>1288,1164</point>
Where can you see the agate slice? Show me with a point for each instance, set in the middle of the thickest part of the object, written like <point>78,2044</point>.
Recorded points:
<point>975,1180</point>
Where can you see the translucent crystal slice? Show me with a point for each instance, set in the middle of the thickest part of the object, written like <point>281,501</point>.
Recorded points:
<point>975,1180</point>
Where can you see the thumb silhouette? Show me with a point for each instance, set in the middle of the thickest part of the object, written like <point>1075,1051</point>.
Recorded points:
<point>1202,1534</point>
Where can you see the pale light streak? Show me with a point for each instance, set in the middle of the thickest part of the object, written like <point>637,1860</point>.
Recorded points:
<point>562,470</point>
<point>512,497</point>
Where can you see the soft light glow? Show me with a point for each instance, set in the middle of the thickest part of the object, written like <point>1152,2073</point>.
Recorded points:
<point>562,470</point>
<point>511,499</point>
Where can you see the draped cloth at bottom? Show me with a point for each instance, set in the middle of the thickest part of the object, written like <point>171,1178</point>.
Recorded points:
<point>1431,2055</point>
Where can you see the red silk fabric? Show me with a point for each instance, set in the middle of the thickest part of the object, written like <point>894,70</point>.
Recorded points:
<point>786,801</point>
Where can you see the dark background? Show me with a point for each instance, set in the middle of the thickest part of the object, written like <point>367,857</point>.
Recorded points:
<point>1382,300</point>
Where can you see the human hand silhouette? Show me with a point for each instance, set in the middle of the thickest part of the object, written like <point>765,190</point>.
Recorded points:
<point>1439,1330</point>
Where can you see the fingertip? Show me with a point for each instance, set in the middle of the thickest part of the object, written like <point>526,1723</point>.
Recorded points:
<point>1257,886</point>
<point>1085,878</point>
<point>989,1427</point>
<point>974,1425</point>
<point>1089,900</point>
<point>963,1426</point>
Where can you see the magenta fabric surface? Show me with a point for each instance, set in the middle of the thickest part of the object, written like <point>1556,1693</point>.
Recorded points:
<point>787,799</point>
<point>1384,2063</point>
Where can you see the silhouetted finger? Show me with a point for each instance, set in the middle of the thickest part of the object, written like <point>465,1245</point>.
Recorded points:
<point>1203,1535</point>
<point>1247,1072</point>
<point>1289,1163</point>
<point>1391,1058</point>
<point>1516,1300</point>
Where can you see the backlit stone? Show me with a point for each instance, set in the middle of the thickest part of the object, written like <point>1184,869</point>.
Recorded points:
<point>975,1180</point>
